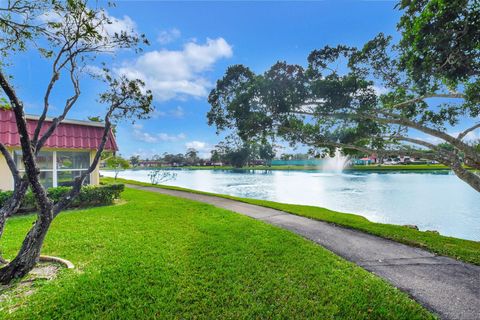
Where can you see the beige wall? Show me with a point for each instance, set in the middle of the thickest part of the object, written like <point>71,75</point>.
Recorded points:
<point>6,180</point>
<point>95,175</point>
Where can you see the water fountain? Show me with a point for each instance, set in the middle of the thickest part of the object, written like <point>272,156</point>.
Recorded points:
<point>336,163</point>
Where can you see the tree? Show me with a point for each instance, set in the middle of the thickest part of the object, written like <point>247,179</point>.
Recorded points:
<point>266,152</point>
<point>174,159</point>
<point>365,99</point>
<point>134,160</point>
<point>442,39</point>
<point>215,156</point>
<point>118,164</point>
<point>191,157</point>
<point>234,151</point>
<point>71,35</point>
<point>157,176</point>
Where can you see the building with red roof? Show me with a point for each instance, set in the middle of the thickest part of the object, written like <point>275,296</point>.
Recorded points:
<point>67,152</point>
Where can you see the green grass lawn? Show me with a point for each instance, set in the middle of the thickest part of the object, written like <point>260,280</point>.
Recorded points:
<point>158,256</point>
<point>465,250</point>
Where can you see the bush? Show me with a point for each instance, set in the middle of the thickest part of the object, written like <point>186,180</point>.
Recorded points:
<point>89,196</point>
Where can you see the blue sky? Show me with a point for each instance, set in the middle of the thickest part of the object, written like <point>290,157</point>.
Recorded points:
<point>192,44</point>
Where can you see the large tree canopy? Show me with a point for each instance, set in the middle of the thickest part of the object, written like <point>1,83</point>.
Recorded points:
<point>441,38</point>
<point>365,99</point>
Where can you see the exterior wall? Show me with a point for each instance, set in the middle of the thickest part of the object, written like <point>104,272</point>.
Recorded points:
<point>95,175</point>
<point>6,179</point>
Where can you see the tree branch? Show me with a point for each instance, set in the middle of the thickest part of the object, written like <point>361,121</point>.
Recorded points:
<point>28,155</point>
<point>70,102</point>
<point>467,131</point>
<point>430,95</point>
<point>46,103</point>
<point>65,201</point>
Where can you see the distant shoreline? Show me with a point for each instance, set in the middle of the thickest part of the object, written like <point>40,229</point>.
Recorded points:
<point>371,168</point>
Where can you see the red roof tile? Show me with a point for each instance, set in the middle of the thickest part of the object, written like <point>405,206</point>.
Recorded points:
<point>69,134</point>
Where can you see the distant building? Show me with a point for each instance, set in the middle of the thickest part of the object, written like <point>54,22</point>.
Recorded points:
<point>258,162</point>
<point>306,162</point>
<point>151,163</point>
<point>214,164</point>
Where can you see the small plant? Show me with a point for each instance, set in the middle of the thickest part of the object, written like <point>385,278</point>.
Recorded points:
<point>117,164</point>
<point>157,176</point>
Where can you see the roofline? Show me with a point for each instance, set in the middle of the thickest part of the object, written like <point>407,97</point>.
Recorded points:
<point>69,121</point>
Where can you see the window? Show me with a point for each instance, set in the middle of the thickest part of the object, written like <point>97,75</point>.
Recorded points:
<point>72,160</point>
<point>71,165</point>
<point>68,166</point>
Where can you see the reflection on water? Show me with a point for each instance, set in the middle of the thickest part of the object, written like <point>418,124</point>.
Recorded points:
<point>432,201</point>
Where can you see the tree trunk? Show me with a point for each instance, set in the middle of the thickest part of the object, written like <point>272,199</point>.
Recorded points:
<point>11,206</point>
<point>29,253</point>
<point>467,175</point>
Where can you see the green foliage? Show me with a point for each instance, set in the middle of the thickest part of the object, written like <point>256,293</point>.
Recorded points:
<point>239,153</point>
<point>134,160</point>
<point>4,104</point>
<point>117,163</point>
<point>191,157</point>
<point>89,196</point>
<point>266,152</point>
<point>163,257</point>
<point>441,39</point>
<point>95,119</point>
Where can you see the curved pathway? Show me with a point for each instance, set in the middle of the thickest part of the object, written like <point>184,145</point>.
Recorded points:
<point>448,287</point>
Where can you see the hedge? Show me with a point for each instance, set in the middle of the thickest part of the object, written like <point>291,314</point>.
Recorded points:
<point>89,196</point>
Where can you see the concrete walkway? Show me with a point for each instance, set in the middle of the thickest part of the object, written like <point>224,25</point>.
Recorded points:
<point>448,287</point>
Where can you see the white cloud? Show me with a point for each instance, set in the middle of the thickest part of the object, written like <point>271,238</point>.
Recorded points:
<point>146,154</point>
<point>178,73</point>
<point>167,36</point>
<point>117,25</point>
<point>197,145</point>
<point>177,112</point>
<point>202,147</point>
<point>141,135</point>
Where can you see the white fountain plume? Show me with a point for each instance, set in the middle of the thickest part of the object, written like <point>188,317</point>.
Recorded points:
<point>336,163</point>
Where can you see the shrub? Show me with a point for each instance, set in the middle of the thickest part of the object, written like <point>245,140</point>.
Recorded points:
<point>4,195</point>
<point>89,196</point>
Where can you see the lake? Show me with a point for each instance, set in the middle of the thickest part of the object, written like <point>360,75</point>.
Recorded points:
<point>432,201</point>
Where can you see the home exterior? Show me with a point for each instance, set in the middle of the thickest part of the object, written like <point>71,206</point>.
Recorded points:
<point>66,154</point>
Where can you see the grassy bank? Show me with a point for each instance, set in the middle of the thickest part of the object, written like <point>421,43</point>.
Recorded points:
<point>410,167</point>
<point>400,167</point>
<point>464,250</point>
<point>158,256</point>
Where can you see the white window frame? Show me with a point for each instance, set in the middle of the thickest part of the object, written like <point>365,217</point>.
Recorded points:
<point>55,170</point>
